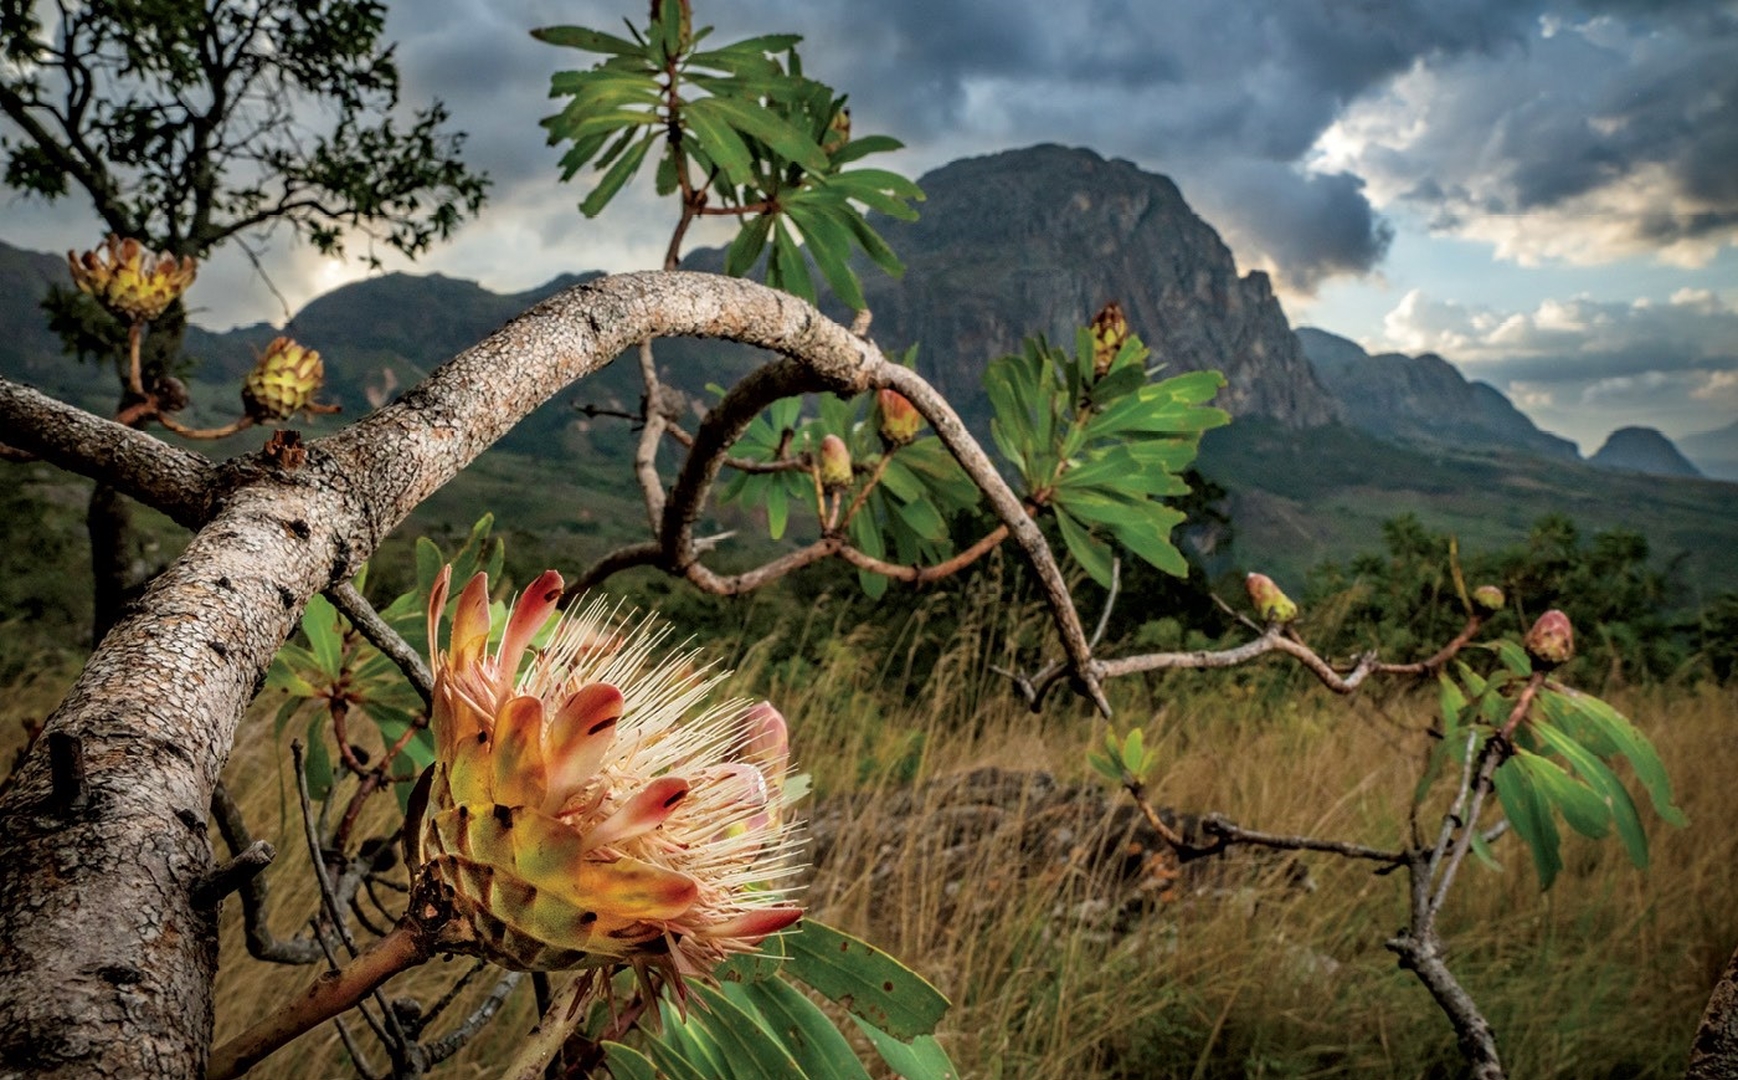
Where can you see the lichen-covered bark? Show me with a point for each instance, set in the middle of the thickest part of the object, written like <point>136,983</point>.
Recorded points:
<point>105,961</point>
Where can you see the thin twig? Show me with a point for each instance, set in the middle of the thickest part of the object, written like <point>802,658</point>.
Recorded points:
<point>452,1042</point>
<point>1233,833</point>
<point>261,944</point>
<point>382,636</point>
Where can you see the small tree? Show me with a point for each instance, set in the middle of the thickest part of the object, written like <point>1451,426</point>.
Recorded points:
<point>189,127</point>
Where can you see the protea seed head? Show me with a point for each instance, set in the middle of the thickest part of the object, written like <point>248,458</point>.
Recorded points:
<point>900,420</point>
<point>1109,331</point>
<point>1488,599</point>
<point>1551,641</point>
<point>283,382</point>
<point>838,131</point>
<point>587,808</point>
<point>131,280</point>
<point>1269,599</point>
<point>835,463</point>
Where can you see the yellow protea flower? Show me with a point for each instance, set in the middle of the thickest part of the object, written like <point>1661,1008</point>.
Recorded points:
<point>131,280</point>
<point>1109,331</point>
<point>587,808</point>
<point>283,382</point>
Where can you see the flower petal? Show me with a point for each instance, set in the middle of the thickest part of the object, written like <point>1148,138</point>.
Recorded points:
<point>530,612</point>
<point>516,755</point>
<point>645,810</point>
<point>471,624</point>
<point>576,739</point>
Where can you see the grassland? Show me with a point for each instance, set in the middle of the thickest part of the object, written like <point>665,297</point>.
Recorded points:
<point>1604,976</point>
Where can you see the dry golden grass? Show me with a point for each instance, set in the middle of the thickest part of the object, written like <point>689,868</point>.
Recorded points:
<point>1604,976</point>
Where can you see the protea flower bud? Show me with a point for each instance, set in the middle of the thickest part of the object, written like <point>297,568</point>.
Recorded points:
<point>1109,331</point>
<point>1488,599</point>
<point>900,420</point>
<point>585,811</point>
<point>283,382</point>
<point>129,279</point>
<point>1270,601</point>
<point>1551,641</point>
<point>835,463</point>
<point>838,132</point>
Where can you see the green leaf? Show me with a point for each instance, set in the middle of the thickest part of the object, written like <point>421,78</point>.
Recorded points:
<point>283,676</point>
<point>864,980</point>
<point>1581,807</point>
<point>857,149</point>
<point>920,1059</point>
<point>1531,818</point>
<point>777,510</point>
<point>792,271</point>
<point>325,642</point>
<point>1092,556</point>
<point>745,249</point>
<point>580,37</point>
<point>317,763</point>
<point>1153,545</point>
<point>1513,657</point>
<point>830,244</point>
<point>626,1063</point>
<point>674,1051</point>
<point>1599,777</point>
<point>748,1046</point>
<point>1612,725</point>
<point>763,963</point>
<point>619,173</point>
<point>720,141</point>
<point>775,132</point>
<point>806,1032</point>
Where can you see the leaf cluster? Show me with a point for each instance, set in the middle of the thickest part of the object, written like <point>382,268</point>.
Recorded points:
<point>742,132</point>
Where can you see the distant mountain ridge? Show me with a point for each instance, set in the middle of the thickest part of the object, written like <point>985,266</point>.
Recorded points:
<point>1394,396</point>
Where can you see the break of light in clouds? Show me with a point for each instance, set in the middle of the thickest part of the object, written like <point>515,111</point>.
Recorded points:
<point>1587,150</point>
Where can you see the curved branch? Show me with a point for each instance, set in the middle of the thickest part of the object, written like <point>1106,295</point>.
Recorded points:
<point>177,482</point>
<point>364,618</point>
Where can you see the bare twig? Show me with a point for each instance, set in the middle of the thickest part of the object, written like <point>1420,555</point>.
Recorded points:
<point>382,636</point>
<point>452,1042</point>
<point>1233,833</point>
<point>261,944</point>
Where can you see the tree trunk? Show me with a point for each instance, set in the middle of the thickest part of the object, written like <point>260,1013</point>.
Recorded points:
<point>1714,1054</point>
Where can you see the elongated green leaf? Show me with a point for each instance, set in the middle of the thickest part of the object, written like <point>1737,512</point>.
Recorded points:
<point>619,173</point>
<point>1630,742</point>
<point>776,133</point>
<point>777,510</point>
<point>830,244</point>
<point>1598,776</point>
<point>317,763</point>
<point>920,1059</point>
<point>720,141</point>
<point>787,270</point>
<point>325,642</point>
<point>865,980</point>
<point>1154,546</point>
<point>672,1051</point>
<point>1531,818</point>
<point>1092,556</point>
<point>749,1046</point>
<point>283,674</point>
<point>581,37</point>
<point>1581,807</point>
<point>694,1042</point>
<point>1513,657</point>
<point>806,1032</point>
<point>626,1063</point>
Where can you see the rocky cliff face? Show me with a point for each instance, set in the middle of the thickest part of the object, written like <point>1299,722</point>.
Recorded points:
<point>1036,240</point>
<point>1393,396</point>
<point>1642,450</point>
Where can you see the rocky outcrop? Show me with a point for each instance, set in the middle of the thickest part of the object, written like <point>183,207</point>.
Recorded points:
<point>1642,450</point>
<point>1393,396</point>
<point>1036,240</point>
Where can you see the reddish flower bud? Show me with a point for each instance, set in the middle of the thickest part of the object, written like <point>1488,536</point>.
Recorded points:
<point>835,463</point>
<point>1551,641</point>
<point>900,420</point>
<point>1269,599</point>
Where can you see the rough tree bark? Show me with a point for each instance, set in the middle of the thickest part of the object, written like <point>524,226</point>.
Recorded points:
<point>1714,1054</point>
<point>105,960</point>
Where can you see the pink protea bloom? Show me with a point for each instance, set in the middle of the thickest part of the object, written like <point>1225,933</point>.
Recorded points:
<point>588,807</point>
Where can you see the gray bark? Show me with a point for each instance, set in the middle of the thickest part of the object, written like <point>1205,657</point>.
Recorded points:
<point>105,960</point>
<point>1714,1054</point>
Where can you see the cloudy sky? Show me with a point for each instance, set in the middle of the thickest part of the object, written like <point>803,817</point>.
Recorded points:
<point>1544,192</point>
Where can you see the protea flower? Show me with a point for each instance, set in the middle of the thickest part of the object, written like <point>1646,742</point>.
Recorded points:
<point>283,382</point>
<point>1269,599</point>
<point>129,279</point>
<point>1109,331</point>
<point>1488,599</point>
<point>589,810</point>
<point>1551,641</point>
<point>835,463</point>
<point>900,420</point>
<point>838,131</point>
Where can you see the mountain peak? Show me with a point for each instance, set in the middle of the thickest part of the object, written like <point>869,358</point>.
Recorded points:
<point>1642,450</point>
